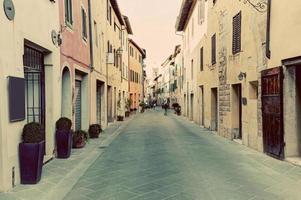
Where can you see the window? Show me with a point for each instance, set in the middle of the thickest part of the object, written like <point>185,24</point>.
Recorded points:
<point>114,57</point>
<point>192,27</point>
<point>236,42</point>
<point>110,15</point>
<point>202,59</point>
<point>213,49</point>
<point>68,12</point>
<point>108,11</point>
<point>84,24</point>
<point>191,69</point>
<point>201,13</point>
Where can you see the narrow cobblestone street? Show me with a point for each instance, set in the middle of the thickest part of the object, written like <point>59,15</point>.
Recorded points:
<point>166,157</point>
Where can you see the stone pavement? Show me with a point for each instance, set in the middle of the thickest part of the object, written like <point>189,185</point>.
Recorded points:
<point>168,158</point>
<point>59,176</point>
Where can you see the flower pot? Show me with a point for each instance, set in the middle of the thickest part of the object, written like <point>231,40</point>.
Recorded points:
<point>94,131</point>
<point>31,162</point>
<point>119,118</point>
<point>79,143</point>
<point>63,143</point>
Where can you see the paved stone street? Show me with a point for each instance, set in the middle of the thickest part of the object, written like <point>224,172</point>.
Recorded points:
<point>166,157</point>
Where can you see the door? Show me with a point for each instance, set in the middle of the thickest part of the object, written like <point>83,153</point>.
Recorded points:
<point>78,105</point>
<point>214,109</point>
<point>272,112</point>
<point>237,111</point>
<point>34,73</point>
<point>202,105</point>
<point>98,103</point>
<point>191,106</point>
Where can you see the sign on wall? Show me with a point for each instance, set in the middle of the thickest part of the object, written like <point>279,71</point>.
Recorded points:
<point>16,90</point>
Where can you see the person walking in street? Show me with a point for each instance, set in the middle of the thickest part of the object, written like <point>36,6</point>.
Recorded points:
<point>165,107</point>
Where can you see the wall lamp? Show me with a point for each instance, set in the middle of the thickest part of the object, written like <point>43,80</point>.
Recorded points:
<point>119,51</point>
<point>242,75</point>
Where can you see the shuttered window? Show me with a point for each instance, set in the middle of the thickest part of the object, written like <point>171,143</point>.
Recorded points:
<point>84,24</point>
<point>68,12</point>
<point>201,12</point>
<point>202,59</point>
<point>213,49</point>
<point>236,43</point>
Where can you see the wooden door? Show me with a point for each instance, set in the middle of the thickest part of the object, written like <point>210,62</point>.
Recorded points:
<point>272,112</point>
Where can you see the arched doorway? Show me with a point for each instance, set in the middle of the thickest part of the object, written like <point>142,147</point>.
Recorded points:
<point>66,103</point>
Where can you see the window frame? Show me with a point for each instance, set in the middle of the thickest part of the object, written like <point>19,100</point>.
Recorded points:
<point>213,49</point>
<point>68,13</point>
<point>84,24</point>
<point>236,33</point>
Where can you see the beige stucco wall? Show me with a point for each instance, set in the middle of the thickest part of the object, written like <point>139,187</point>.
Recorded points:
<point>99,72</point>
<point>35,26</point>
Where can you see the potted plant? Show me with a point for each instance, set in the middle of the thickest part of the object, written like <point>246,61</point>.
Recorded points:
<point>31,153</point>
<point>128,105</point>
<point>80,139</point>
<point>94,130</point>
<point>142,105</point>
<point>63,137</point>
<point>119,116</point>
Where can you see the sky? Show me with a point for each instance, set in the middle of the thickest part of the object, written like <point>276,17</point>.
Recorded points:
<point>153,23</point>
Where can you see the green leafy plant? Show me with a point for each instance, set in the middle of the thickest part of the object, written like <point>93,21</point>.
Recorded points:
<point>80,138</point>
<point>142,104</point>
<point>128,104</point>
<point>33,133</point>
<point>63,124</point>
<point>94,130</point>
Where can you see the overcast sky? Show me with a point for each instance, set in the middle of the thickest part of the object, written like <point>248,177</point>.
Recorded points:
<point>153,24</point>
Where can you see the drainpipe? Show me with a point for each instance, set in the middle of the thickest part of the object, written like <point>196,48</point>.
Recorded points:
<point>90,35</point>
<point>268,50</point>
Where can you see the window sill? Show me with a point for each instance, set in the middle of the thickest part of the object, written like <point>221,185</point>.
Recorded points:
<point>69,25</point>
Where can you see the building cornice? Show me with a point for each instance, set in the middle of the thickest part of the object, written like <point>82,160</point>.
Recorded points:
<point>117,11</point>
<point>185,13</point>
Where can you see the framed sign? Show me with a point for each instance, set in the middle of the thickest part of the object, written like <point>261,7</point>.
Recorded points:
<point>16,93</point>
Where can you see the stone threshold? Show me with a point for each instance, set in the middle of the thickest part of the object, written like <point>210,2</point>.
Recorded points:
<point>60,175</point>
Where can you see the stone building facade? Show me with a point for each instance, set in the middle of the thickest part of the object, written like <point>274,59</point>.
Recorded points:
<point>222,61</point>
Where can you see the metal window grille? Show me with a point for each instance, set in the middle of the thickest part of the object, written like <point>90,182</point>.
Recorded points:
<point>33,61</point>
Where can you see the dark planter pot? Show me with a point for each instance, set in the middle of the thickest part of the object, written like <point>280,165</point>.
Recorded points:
<point>79,143</point>
<point>119,118</point>
<point>31,162</point>
<point>63,143</point>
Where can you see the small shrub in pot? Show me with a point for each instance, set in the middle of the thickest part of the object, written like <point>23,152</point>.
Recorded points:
<point>95,130</point>
<point>63,137</point>
<point>31,153</point>
<point>80,139</point>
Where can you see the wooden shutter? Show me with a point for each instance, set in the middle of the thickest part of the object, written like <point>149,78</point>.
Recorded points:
<point>236,42</point>
<point>202,59</point>
<point>213,49</point>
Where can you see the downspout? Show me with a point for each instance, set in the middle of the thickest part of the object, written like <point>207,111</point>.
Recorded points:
<point>90,35</point>
<point>268,50</point>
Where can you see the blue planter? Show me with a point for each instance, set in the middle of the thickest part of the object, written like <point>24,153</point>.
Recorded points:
<point>31,162</point>
<point>63,143</point>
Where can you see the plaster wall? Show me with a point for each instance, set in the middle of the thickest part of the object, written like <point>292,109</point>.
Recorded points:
<point>35,26</point>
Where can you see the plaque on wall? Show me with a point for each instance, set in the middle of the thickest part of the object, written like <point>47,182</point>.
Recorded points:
<point>16,95</point>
